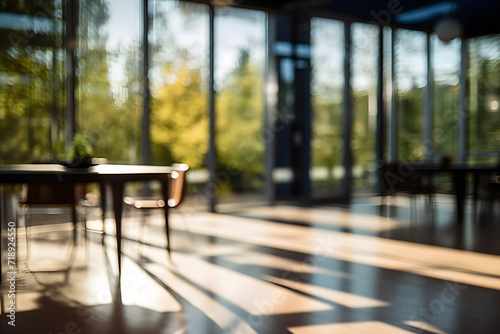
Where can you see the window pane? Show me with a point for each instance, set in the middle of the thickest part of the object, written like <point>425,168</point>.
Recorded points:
<point>410,66</point>
<point>484,97</point>
<point>364,74</point>
<point>387,91</point>
<point>179,88</point>
<point>327,85</point>
<point>32,82</point>
<point>240,50</point>
<point>109,99</point>
<point>446,70</point>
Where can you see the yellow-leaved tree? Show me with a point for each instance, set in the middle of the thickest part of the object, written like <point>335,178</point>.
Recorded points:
<point>179,118</point>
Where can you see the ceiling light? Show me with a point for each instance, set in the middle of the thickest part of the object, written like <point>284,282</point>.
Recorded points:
<point>448,28</point>
<point>426,13</point>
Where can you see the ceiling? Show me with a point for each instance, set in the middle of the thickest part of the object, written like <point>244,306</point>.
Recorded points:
<point>477,17</point>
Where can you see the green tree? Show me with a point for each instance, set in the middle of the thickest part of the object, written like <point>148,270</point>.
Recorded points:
<point>410,122</point>
<point>31,85</point>
<point>483,83</point>
<point>326,123</point>
<point>240,105</point>
<point>109,115</point>
<point>179,120</point>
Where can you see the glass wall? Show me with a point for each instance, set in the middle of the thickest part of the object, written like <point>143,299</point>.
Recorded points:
<point>445,72</point>
<point>32,91</point>
<point>410,80</point>
<point>179,55</point>
<point>327,86</point>
<point>483,96</point>
<point>109,90</point>
<point>108,93</point>
<point>240,51</point>
<point>364,76</point>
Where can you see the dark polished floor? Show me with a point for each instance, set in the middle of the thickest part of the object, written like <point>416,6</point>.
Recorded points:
<point>280,269</point>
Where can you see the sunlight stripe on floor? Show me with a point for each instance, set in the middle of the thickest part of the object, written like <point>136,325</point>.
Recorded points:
<point>368,327</point>
<point>218,313</point>
<point>431,261</point>
<point>253,295</point>
<point>335,296</point>
<point>330,217</point>
<point>277,262</point>
<point>424,326</point>
<point>139,289</point>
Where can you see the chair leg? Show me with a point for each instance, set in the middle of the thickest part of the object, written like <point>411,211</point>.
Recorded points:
<point>431,205</point>
<point>413,208</point>
<point>75,222</point>
<point>26,236</point>
<point>387,206</point>
<point>167,231</point>
<point>141,233</point>
<point>102,187</point>
<point>383,204</point>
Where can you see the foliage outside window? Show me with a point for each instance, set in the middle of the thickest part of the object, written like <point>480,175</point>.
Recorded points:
<point>239,83</point>
<point>446,70</point>
<point>32,72</point>
<point>410,53</point>
<point>364,72</point>
<point>483,97</point>
<point>108,94</point>
<point>327,85</point>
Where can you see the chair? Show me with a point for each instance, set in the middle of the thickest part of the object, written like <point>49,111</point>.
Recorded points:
<point>176,196</point>
<point>489,193</point>
<point>397,179</point>
<point>89,201</point>
<point>48,197</point>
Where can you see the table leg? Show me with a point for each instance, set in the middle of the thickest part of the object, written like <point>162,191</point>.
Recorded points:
<point>165,187</point>
<point>117,188</point>
<point>477,176</point>
<point>459,181</point>
<point>102,189</point>
<point>1,236</point>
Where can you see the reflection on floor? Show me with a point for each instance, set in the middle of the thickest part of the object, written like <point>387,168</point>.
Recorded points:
<point>280,269</point>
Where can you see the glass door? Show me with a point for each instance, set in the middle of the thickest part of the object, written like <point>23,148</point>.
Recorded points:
<point>327,87</point>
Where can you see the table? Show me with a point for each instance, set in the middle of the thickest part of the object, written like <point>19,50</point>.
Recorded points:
<point>459,174</point>
<point>114,175</point>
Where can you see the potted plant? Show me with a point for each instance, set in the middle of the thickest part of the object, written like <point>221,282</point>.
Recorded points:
<point>80,151</point>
